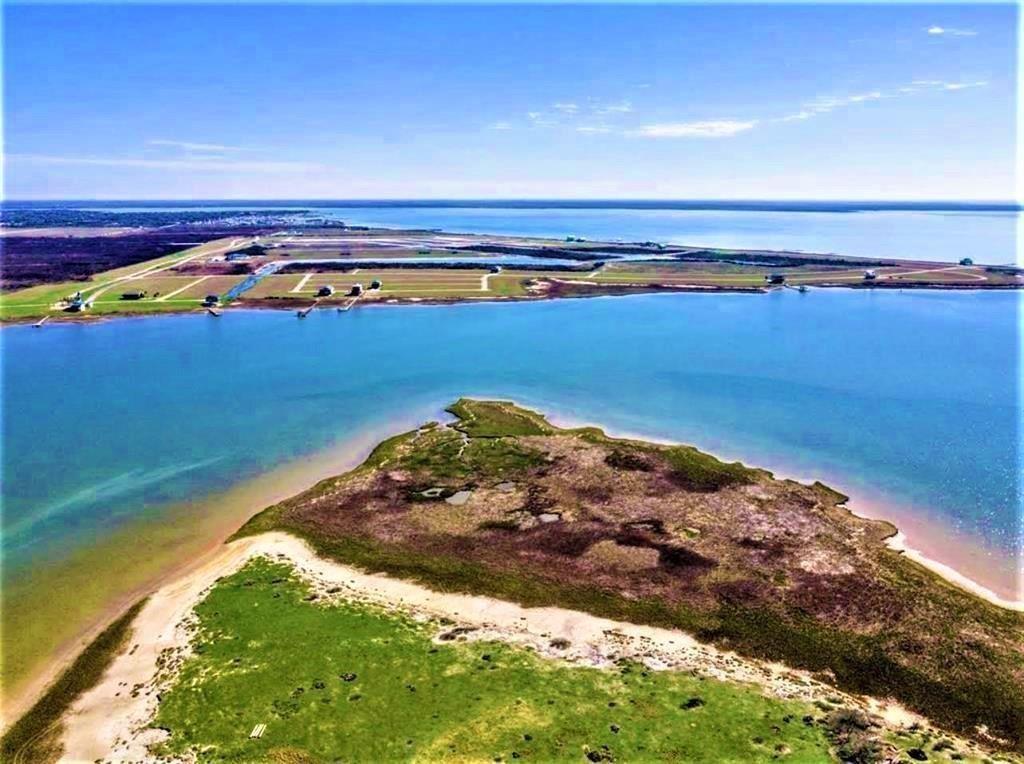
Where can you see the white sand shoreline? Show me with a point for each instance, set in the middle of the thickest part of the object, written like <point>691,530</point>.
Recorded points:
<point>110,720</point>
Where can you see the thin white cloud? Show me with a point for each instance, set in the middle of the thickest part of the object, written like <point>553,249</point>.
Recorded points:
<point>715,128</point>
<point>828,104</point>
<point>192,164</point>
<point>189,146</point>
<point>501,126</point>
<point>963,85</point>
<point>623,107</point>
<point>937,31</point>
<point>605,118</point>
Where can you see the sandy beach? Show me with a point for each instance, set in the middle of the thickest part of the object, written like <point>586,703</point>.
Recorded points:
<point>109,721</point>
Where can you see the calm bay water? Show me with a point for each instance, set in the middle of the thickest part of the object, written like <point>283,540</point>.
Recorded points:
<point>911,400</point>
<point>947,236</point>
<point>988,235</point>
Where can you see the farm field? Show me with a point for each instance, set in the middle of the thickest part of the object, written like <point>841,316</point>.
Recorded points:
<point>742,275</point>
<point>424,283</point>
<point>181,280</point>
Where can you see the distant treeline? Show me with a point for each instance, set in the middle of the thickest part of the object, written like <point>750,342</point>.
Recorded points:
<point>557,253</point>
<point>56,217</point>
<point>777,260</point>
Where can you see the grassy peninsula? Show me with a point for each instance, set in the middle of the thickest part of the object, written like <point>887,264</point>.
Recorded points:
<point>502,503</point>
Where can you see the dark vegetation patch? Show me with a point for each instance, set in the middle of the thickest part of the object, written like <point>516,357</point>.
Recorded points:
<point>35,736</point>
<point>558,253</point>
<point>629,460</point>
<point>253,250</point>
<point>777,260</point>
<point>854,735</point>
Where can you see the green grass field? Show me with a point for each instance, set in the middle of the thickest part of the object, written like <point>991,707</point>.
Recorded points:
<point>347,682</point>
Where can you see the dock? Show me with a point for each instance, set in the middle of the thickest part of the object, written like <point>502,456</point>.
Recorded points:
<point>41,321</point>
<point>213,312</point>
<point>348,306</point>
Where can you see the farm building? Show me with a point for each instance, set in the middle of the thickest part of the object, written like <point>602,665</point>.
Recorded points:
<point>137,294</point>
<point>356,290</point>
<point>376,284</point>
<point>325,291</point>
<point>211,299</point>
<point>870,275</point>
<point>776,278</point>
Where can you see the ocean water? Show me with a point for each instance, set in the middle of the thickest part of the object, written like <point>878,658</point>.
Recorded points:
<point>946,233</point>
<point>910,400</point>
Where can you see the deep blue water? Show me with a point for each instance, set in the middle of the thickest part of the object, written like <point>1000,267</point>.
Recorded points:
<point>912,398</point>
<point>940,231</point>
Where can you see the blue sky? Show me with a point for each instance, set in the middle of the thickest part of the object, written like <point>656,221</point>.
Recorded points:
<point>664,101</point>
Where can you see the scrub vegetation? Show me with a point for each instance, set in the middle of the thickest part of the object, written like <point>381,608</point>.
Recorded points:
<point>505,504</point>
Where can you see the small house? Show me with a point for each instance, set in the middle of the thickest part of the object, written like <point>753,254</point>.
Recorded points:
<point>211,300</point>
<point>356,290</point>
<point>376,284</point>
<point>325,291</point>
<point>776,278</point>
<point>870,275</point>
<point>137,294</point>
<point>966,261</point>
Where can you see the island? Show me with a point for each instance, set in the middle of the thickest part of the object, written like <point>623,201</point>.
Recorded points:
<point>497,587</point>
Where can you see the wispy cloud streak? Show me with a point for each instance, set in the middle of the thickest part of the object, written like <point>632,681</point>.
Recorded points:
<point>937,31</point>
<point>197,147</point>
<point>714,128</point>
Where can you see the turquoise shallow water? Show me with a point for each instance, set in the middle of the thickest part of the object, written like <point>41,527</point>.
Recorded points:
<point>911,399</point>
